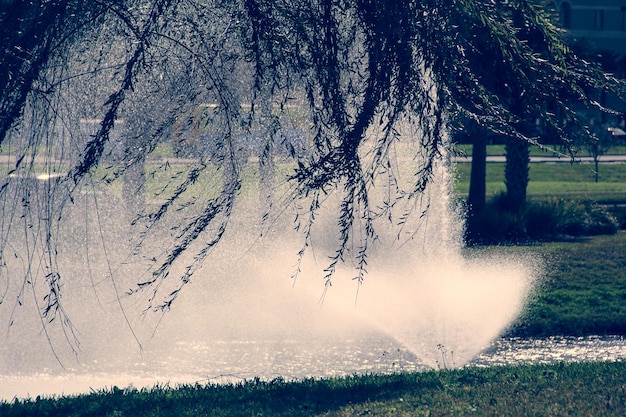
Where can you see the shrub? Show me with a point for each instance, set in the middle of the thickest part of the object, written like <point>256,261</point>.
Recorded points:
<point>582,218</point>
<point>543,220</point>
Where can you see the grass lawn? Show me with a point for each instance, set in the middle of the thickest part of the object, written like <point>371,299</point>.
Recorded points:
<point>579,389</point>
<point>549,179</point>
<point>570,180</point>
<point>584,291</point>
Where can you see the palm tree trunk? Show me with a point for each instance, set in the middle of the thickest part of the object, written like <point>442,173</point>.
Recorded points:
<point>516,173</point>
<point>478,174</point>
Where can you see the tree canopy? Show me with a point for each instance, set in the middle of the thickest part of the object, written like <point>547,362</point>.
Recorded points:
<point>358,74</point>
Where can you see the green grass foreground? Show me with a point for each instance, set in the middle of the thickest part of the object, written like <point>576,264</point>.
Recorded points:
<point>578,389</point>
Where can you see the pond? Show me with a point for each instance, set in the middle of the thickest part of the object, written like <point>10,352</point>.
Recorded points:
<point>232,361</point>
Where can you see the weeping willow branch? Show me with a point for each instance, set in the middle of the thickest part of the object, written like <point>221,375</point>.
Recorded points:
<point>362,71</point>
<point>94,148</point>
<point>221,207</point>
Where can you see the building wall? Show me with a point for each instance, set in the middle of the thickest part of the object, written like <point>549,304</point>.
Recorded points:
<point>601,22</point>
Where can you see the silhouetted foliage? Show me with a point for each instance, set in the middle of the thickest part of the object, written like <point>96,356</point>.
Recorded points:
<point>80,75</point>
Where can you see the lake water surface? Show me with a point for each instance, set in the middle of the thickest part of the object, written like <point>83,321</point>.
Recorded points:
<point>231,361</point>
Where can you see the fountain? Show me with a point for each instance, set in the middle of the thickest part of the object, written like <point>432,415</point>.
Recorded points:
<point>424,304</point>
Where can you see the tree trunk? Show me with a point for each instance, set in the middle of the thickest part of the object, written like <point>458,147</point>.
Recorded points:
<point>476,199</point>
<point>516,173</point>
<point>478,175</point>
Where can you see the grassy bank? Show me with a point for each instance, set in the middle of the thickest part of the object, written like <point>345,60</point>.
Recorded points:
<point>580,389</point>
<point>583,292</point>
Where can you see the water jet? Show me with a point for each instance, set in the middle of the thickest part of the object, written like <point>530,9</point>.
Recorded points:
<point>423,304</point>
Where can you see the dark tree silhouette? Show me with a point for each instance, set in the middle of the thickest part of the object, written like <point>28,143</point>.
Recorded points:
<point>225,78</point>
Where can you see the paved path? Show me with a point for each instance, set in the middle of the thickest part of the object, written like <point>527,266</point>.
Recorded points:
<point>550,159</point>
<point>10,159</point>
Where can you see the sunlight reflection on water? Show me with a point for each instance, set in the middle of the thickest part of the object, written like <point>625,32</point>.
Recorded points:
<point>517,351</point>
<point>234,361</point>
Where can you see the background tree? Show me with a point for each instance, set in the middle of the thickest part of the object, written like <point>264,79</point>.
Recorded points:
<point>601,122</point>
<point>362,70</point>
<point>469,131</point>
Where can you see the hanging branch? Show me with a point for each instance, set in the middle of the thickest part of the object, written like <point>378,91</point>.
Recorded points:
<point>94,148</point>
<point>363,68</point>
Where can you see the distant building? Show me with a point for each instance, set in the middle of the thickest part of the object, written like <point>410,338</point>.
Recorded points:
<point>600,22</point>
